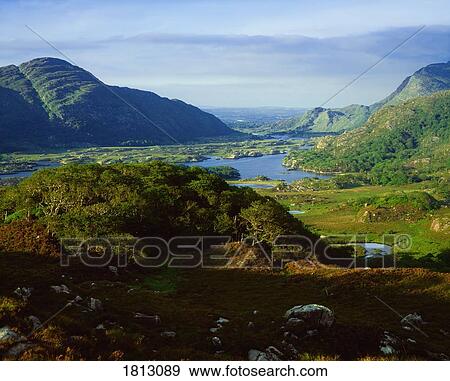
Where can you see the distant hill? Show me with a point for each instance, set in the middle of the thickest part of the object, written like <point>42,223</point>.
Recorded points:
<point>425,81</point>
<point>48,102</point>
<point>399,143</point>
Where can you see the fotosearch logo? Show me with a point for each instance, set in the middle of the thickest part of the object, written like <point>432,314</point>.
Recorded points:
<point>347,251</point>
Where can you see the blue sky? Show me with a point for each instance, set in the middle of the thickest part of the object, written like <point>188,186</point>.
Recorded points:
<point>235,53</point>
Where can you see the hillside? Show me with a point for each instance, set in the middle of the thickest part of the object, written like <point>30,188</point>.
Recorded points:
<point>325,120</point>
<point>425,81</point>
<point>60,104</point>
<point>398,144</point>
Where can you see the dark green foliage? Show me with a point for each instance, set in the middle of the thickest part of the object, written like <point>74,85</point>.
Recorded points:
<point>417,200</point>
<point>399,144</point>
<point>154,199</point>
<point>64,105</point>
<point>225,172</point>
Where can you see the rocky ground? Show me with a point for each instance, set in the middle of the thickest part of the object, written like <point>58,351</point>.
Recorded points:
<point>51,312</point>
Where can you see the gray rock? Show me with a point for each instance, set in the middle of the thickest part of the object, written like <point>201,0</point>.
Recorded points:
<point>63,289</point>
<point>251,324</point>
<point>270,354</point>
<point>413,319</point>
<point>222,321</point>
<point>23,292</point>
<point>95,305</point>
<point>255,355</point>
<point>214,329</point>
<point>35,322</point>
<point>155,319</point>
<point>100,327</point>
<point>273,353</point>
<point>168,334</point>
<point>314,315</point>
<point>295,323</point>
<point>216,342</point>
<point>388,343</point>
<point>8,335</point>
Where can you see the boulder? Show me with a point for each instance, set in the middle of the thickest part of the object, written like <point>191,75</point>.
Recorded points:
<point>313,315</point>
<point>35,322</point>
<point>413,319</point>
<point>7,335</point>
<point>216,342</point>
<point>388,344</point>
<point>270,354</point>
<point>23,292</point>
<point>63,289</point>
<point>95,305</point>
<point>155,319</point>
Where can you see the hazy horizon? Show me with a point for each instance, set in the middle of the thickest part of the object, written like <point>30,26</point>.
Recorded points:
<point>235,54</point>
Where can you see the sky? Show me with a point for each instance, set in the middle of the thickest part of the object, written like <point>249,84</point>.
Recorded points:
<point>229,53</point>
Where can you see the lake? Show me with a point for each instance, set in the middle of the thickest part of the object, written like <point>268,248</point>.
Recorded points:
<point>39,165</point>
<point>267,165</point>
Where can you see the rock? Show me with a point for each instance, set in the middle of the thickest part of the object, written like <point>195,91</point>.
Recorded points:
<point>255,355</point>
<point>388,343</point>
<point>250,325</point>
<point>63,289</point>
<point>413,319</point>
<point>8,335</point>
<point>274,354</point>
<point>100,327</point>
<point>95,305</point>
<point>17,349</point>
<point>23,292</point>
<point>444,332</point>
<point>214,329</point>
<point>216,342</point>
<point>155,319</point>
<point>113,269</point>
<point>222,321</point>
<point>290,336</point>
<point>314,315</point>
<point>270,354</point>
<point>295,323</point>
<point>255,312</point>
<point>168,334</point>
<point>35,322</point>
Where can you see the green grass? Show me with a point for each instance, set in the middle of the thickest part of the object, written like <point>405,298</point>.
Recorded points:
<point>330,212</point>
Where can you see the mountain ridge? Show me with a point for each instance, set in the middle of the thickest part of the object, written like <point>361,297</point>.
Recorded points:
<point>425,81</point>
<point>71,107</point>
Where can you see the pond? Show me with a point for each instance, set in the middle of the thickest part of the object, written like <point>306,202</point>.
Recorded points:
<point>374,250</point>
<point>250,167</point>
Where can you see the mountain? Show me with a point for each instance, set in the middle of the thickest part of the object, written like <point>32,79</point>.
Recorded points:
<point>48,102</point>
<point>322,120</point>
<point>399,143</point>
<point>425,81</point>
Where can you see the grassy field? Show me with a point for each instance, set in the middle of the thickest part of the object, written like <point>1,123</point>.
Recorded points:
<point>333,212</point>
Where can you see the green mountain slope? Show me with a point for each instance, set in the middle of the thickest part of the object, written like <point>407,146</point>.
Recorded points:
<point>398,144</point>
<point>73,108</point>
<point>425,81</point>
<point>325,120</point>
